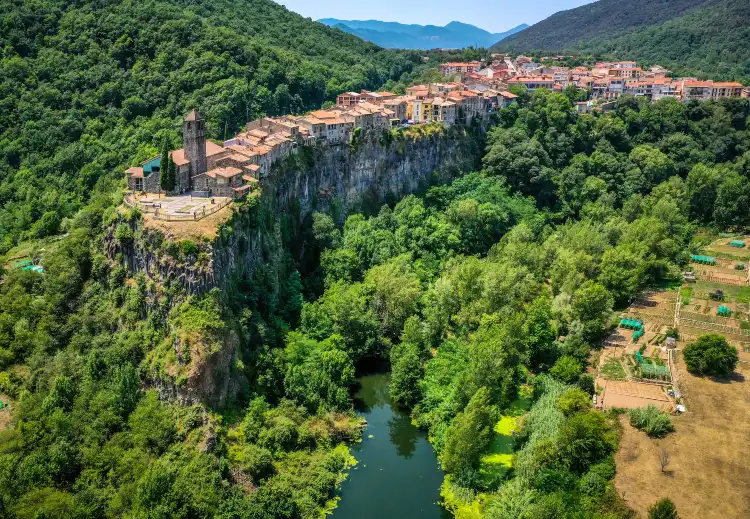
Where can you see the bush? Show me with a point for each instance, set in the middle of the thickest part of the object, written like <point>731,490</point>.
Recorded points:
<point>188,247</point>
<point>593,484</point>
<point>256,461</point>
<point>710,355</point>
<point>586,383</point>
<point>566,369</point>
<point>650,420</point>
<point>663,509</point>
<point>124,234</point>
<point>574,401</point>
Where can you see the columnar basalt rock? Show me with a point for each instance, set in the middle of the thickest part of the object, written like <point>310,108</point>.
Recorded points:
<point>314,179</point>
<point>193,368</point>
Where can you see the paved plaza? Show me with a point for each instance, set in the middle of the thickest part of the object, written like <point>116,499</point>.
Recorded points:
<point>184,206</point>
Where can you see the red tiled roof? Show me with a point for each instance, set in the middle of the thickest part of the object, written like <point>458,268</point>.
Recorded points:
<point>213,149</point>
<point>324,114</point>
<point>178,156</point>
<point>226,172</point>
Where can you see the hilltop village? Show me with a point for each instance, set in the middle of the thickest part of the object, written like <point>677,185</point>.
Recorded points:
<point>605,81</point>
<point>471,91</point>
<point>233,168</point>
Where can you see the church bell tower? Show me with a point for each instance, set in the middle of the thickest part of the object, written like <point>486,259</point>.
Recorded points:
<point>194,139</point>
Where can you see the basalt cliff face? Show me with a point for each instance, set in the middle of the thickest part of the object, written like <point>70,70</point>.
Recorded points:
<point>373,169</point>
<point>336,178</point>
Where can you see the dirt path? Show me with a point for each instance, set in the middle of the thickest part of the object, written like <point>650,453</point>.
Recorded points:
<point>709,472</point>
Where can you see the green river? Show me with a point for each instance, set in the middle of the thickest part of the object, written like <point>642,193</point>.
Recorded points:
<point>397,475</point>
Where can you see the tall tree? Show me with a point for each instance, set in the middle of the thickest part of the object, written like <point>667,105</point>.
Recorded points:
<point>164,182</point>
<point>469,434</point>
<point>406,373</point>
<point>172,174</point>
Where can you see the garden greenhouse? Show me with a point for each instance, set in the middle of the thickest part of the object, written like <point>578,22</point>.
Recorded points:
<point>704,260</point>
<point>631,324</point>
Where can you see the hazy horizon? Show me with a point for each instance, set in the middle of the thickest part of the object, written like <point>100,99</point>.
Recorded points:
<point>509,14</point>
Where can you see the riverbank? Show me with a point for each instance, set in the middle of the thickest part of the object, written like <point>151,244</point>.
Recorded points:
<point>495,465</point>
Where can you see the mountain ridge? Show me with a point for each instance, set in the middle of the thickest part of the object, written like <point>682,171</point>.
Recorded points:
<point>604,18</point>
<point>705,38</point>
<point>414,36</point>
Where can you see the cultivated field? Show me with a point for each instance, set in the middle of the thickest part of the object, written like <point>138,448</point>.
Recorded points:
<point>709,474</point>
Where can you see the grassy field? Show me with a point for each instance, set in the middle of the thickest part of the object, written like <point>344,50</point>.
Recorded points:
<point>708,476</point>
<point>734,293</point>
<point>499,457</point>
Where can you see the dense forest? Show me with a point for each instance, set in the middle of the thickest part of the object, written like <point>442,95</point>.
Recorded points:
<point>465,289</point>
<point>597,19</point>
<point>712,42</point>
<point>89,88</point>
<point>709,38</point>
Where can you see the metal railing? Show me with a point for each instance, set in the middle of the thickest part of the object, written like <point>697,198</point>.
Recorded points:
<point>194,216</point>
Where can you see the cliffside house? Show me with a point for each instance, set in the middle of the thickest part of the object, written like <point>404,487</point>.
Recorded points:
<point>201,166</point>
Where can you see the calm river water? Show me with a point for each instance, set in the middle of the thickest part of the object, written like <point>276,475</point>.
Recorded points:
<point>397,476</point>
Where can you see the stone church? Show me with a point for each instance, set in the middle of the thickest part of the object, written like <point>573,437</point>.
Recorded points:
<point>202,167</point>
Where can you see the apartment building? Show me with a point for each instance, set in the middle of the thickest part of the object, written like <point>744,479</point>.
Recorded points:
<point>707,90</point>
<point>451,68</point>
<point>532,82</point>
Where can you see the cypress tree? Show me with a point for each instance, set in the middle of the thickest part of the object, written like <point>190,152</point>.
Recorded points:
<point>172,174</point>
<point>164,167</point>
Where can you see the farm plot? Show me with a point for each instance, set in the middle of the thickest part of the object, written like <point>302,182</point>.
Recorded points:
<point>703,312</point>
<point>722,248</point>
<point>707,476</point>
<point>629,395</point>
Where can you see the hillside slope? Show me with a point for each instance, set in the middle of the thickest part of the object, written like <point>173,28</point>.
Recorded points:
<point>709,41</point>
<point>566,29</point>
<point>88,87</point>
<point>395,35</point>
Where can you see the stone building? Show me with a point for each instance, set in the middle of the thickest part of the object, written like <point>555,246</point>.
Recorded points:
<point>194,139</point>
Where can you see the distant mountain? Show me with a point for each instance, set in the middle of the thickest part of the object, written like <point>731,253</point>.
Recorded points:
<point>605,18</point>
<point>395,35</point>
<point>690,37</point>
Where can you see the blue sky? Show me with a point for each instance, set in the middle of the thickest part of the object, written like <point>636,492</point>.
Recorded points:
<point>492,15</point>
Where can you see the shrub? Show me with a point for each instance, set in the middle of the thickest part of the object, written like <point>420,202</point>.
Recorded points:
<point>710,355</point>
<point>9,384</point>
<point>566,369</point>
<point>574,401</point>
<point>663,509</point>
<point>188,247</point>
<point>255,461</point>
<point>124,234</point>
<point>586,383</point>
<point>593,484</point>
<point>650,420</point>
